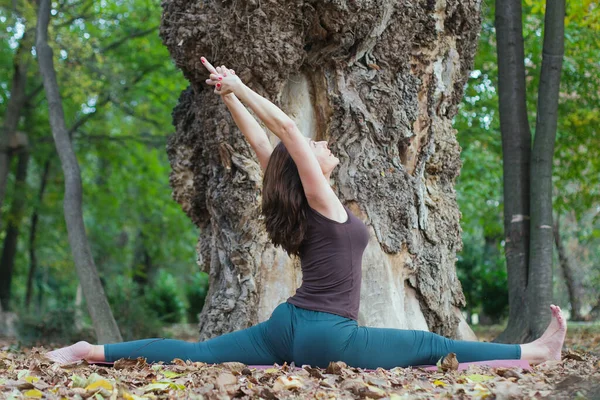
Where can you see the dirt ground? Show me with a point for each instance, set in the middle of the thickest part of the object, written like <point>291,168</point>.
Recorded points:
<point>24,373</point>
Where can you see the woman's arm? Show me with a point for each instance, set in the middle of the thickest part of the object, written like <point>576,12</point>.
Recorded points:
<point>251,130</point>
<point>318,192</point>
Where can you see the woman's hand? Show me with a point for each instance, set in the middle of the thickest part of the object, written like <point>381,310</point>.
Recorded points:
<point>223,79</point>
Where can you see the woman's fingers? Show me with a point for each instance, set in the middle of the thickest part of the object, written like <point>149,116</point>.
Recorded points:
<point>223,70</point>
<point>208,66</point>
<point>216,77</point>
<point>210,82</point>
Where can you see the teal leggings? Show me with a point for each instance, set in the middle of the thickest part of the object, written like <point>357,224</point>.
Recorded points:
<point>314,338</point>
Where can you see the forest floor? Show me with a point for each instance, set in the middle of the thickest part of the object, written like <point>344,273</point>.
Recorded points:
<point>25,373</point>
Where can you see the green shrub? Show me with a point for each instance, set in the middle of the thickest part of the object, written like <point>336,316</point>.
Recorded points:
<point>195,292</point>
<point>56,326</point>
<point>163,298</point>
<point>135,318</point>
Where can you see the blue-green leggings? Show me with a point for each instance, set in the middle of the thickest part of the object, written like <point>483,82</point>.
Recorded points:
<point>314,338</point>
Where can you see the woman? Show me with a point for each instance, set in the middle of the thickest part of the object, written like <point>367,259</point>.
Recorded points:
<point>318,324</point>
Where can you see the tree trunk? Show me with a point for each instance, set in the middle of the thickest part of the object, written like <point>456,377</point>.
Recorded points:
<point>9,250</point>
<point>102,318</point>
<point>381,82</point>
<point>33,232</point>
<point>539,288</point>
<point>528,187</point>
<point>13,110</point>
<point>516,151</point>
<point>574,286</point>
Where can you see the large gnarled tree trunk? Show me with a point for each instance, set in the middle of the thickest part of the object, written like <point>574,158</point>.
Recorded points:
<point>381,82</point>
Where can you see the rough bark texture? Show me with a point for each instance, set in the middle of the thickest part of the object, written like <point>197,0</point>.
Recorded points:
<point>539,288</point>
<point>381,81</point>
<point>516,156</point>
<point>102,318</point>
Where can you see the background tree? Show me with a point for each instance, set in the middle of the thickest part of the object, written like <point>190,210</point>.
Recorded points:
<point>381,82</point>
<point>479,187</point>
<point>118,89</point>
<point>105,326</point>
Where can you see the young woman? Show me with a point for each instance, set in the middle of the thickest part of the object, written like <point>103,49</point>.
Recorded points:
<point>318,324</point>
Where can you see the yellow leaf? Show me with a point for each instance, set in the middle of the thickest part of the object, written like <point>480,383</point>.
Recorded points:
<point>271,371</point>
<point>100,384</point>
<point>31,379</point>
<point>129,396</point>
<point>479,377</point>
<point>437,382</point>
<point>171,374</point>
<point>34,393</point>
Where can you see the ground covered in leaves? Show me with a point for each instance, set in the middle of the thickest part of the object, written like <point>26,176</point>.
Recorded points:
<point>27,374</point>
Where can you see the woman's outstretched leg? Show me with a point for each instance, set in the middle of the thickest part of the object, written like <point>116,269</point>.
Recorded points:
<point>389,348</point>
<point>249,346</point>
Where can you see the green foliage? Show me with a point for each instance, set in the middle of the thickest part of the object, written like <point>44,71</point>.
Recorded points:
<point>135,317</point>
<point>55,326</point>
<point>118,86</point>
<point>196,291</point>
<point>163,298</point>
<point>481,270</point>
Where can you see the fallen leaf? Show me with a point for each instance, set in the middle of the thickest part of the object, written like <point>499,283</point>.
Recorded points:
<point>287,383</point>
<point>478,377</point>
<point>439,383</point>
<point>573,355</point>
<point>448,363</point>
<point>34,393</point>
<point>100,384</point>
<point>336,368</point>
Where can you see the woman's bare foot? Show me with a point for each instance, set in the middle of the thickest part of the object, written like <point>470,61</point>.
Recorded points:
<point>549,345</point>
<point>67,355</point>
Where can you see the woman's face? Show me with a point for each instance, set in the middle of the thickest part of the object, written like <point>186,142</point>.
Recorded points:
<point>326,159</point>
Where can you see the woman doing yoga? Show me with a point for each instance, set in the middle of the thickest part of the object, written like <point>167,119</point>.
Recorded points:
<point>318,324</point>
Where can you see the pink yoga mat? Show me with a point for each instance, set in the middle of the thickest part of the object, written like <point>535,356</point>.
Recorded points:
<point>461,366</point>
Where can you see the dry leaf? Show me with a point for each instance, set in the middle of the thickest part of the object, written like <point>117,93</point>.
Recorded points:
<point>448,363</point>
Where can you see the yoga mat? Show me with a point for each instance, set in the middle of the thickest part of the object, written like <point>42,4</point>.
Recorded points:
<point>461,366</point>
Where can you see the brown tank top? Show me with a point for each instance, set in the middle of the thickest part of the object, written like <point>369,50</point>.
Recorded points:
<point>331,258</point>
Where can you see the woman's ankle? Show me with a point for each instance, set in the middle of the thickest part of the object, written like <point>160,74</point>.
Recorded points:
<point>96,354</point>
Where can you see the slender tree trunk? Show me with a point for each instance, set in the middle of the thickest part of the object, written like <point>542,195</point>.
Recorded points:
<point>102,318</point>
<point>13,110</point>
<point>516,150</point>
<point>9,250</point>
<point>539,288</point>
<point>33,231</point>
<point>381,82</point>
<point>574,286</point>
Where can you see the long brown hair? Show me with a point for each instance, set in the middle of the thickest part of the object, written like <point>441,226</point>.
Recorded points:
<point>284,203</point>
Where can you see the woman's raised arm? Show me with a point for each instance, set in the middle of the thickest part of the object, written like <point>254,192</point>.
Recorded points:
<point>254,134</point>
<point>318,192</point>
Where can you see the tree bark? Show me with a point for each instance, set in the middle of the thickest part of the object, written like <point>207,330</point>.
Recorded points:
<point>516,152</point>
<point>574,286</point>
<point>539,290</point>
<point>13,110</point>
<point>381,82</point>
<point>102,318</point>
<point>527,172</point>
<point>33,232</point>
<point>9,249</point>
